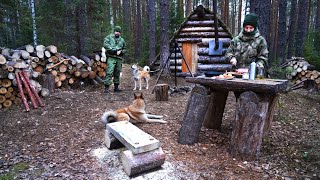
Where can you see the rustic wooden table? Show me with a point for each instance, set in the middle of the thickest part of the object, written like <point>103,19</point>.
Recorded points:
<point>254,111</point>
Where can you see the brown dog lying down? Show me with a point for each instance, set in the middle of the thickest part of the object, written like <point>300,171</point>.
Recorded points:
<point>135,112</point>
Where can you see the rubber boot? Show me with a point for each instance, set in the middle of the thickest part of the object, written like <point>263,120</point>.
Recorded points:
<point>106,89</point>
<point>116,88</point>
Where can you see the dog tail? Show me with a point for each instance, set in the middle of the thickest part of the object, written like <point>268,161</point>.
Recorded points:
<point>146,68</point>
<point>109,117</point>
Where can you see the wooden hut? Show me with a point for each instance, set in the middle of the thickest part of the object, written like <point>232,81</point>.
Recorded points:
<point>193,37</point>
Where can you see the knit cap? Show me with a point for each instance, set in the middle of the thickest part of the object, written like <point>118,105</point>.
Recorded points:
<point>251,19</point>
<point>117,29</point>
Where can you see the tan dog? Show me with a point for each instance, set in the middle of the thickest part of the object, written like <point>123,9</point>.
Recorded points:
<point>139,75</point>
<point>135,111</point>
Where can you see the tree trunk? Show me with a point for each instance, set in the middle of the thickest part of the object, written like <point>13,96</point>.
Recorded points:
<point>152,31</point>
<point>292,27</point>
<point>302,24</point>
<point>188,7</point>
<point>239,16</point>
<point>34,27</point>
<point>164,40</point>
<point>317,23</point>
<point>282,29</point>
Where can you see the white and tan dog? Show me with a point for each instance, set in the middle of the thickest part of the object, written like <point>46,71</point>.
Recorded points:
<point>139,75</point>
<point>135,112</point>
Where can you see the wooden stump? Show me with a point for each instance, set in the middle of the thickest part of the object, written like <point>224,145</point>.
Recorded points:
<point>194,115</point>
<point>47,81</point>
<point>112,142</point>
<point>161,92</point>
<point>251,114</point>
<point>137,163</point>
<point>217,102</point>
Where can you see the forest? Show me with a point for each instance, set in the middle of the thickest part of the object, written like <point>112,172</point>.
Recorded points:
<point>291,27</point>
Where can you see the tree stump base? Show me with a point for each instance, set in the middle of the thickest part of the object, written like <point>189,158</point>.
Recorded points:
<point>134,164</point>
<point>47,81</point>
<point>161,92</point>
<point>253,115</point>
<point>194,115</point>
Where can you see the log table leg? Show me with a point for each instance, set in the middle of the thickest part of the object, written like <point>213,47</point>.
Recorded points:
<point>252,112</point>
<point>213,118</point>
<point>194,115</point>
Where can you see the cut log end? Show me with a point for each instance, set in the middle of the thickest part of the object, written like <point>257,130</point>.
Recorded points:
<point>138,163</point>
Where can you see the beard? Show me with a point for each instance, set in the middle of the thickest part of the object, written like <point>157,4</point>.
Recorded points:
<point>117,35</point>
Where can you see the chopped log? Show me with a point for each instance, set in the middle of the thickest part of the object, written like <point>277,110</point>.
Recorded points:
<point>12,98</point>
<point>7,103</point>
<point>77,73</point>
<point>53,49</point>
<point>40,54</point>
<point>87,60</point>
<point>6,52</point>
<point>8,94</point>
<point>97,78</point>
<point>137,163</point>
<point>33,89</point>
<point>84,74</point>
<point>56,79</point>
<point>25,54</point>
<point>24,100</point>
<point>161,92</point>
<point>29,91</point>
<point>3,73</point>
<point>16,55</point>
<point>54,72</point>
<point>29,48</point>
<point>212,59</point>
<point>47,54</point>
<point>10,89</point>
<point>6,83</point>
<point>2,99</point>
<point>194,115</point>
<point>58,84</point>
<point>112,142</point>
<point>214,114</point>
<point>63,68</point>
<point>247,133</point>
<point>10,68</point>
<point>17,101</point>
<point>62,77</point>
<point>92,75</point>
<point>3,60</point>
<point>3,90</point>
<point>40,48</point>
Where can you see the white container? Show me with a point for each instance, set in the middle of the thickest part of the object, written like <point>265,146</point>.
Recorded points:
<point>252,74</point>
<point>245,76</point>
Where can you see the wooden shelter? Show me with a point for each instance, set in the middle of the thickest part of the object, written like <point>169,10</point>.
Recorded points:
<point>193,37</point>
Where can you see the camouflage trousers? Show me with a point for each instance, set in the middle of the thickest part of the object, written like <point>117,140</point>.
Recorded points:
<point>114,66</point>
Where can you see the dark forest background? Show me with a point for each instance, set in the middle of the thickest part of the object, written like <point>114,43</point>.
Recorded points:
<point>291,27</point>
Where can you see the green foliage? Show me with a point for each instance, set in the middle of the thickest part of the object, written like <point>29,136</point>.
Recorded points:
<point>311,49</point>
<point>14,171</point>
<point>275,71</point>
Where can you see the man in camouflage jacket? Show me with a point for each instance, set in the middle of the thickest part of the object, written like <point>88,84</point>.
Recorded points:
<point>115,48</point>
<point>249,46</point>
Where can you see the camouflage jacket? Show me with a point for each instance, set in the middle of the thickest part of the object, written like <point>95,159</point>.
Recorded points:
<point>247,49</point>
<point>113,44</point>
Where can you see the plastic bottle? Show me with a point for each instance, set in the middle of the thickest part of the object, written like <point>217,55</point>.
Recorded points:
<point>252,74</point>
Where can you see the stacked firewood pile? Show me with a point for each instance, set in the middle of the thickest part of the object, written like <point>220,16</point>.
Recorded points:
<point>299,71</point>
<point>41,62</point>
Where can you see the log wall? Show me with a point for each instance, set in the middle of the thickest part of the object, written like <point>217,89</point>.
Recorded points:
<point>200,31</point>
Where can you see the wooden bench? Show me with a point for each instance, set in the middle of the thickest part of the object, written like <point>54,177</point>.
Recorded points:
<point>144,151</point>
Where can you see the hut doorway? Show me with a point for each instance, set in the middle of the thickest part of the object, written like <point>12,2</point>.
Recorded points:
<point>190,53</point>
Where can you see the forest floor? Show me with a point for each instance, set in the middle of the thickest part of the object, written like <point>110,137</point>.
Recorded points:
<point>65,139</point>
